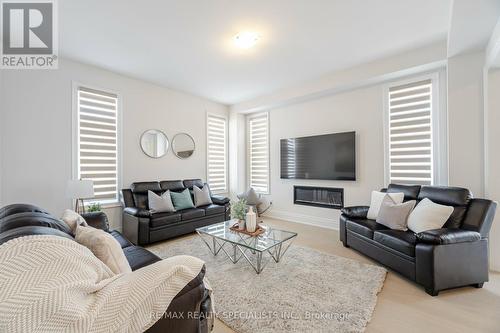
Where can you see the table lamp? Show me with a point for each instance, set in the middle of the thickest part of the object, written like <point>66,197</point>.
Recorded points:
<point>78,190</point>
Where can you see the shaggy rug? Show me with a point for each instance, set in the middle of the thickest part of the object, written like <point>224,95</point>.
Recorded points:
<point>308,291</point>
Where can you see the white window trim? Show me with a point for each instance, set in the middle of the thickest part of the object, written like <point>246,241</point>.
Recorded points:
<point>247,140</point>
<point>225,117</point>
<point>75,142</point>
<point>439,125</point>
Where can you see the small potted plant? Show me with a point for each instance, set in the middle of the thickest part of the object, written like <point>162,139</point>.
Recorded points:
<point>238,212</point>
<point>94,207</point>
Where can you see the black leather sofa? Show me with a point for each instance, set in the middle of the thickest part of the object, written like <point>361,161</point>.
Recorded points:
<point>453,256</point>
<point>22,220</point>
<point>143,227</point>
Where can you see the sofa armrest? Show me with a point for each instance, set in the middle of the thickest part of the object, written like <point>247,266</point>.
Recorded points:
<point>448,236</point>
<point>355,211</point>
<point>98,220</point>
<point>219,200</point>
<point>137,212</point>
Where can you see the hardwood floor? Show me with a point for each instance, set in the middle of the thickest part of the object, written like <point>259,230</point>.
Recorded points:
<point>404,306</point>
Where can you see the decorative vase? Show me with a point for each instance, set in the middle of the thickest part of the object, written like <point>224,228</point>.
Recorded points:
<point>251,220</point>
<point>241,224</point>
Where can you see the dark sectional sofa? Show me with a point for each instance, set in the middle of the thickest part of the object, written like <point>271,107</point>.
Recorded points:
<point>453,256</point>
<point>20,220</point>
<point>143,227</point>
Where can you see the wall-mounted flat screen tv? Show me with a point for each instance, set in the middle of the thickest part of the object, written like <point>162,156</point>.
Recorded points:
<point>329,157</point>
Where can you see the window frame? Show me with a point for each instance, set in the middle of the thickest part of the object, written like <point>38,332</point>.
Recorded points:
<point>75,141</point>
<point>248,147</point>
<point>226,171</point>
<point>438,126</point>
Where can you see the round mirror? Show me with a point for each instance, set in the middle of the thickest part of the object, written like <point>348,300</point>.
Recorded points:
<point>154,143</point>
<point>183,145</point>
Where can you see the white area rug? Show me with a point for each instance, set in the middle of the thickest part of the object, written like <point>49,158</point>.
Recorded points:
<point>308,291</point>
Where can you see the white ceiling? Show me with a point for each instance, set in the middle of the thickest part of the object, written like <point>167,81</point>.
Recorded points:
<point>186,44</point>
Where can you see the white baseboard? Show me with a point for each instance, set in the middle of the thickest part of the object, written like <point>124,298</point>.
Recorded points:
<point>321,222</point>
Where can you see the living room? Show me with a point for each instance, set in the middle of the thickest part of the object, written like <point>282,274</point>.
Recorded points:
<point>280,142</point>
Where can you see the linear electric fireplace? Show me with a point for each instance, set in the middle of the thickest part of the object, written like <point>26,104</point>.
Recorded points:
<point>327,197</point>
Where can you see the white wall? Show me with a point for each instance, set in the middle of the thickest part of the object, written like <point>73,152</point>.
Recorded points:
<point>360,110</point>
<point>465,121</point>
<point>36,132</point>
<point>493,161</point>
<point>400,65</point>
<point>1,133</point>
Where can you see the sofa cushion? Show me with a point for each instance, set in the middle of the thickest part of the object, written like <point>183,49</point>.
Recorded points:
<point>144,187</point>
<point>104,246</point>
<point>189,183</point>
<point>160,203</point>
<point>213,209</point>
<point>34,219</point>
<point>192,213</point>
<point>172,185</point>
<point>139,257</point>
<point>182,200</point>
<point>376,202</point>
<point>140,192</point>
<point>428,215</point>
<point>121,239</point>
<point>20,208</point>
<point>364,227</point>
<point>401,241</point>
<point>160,219</point>
<point>410,191</point>
<point>457,197</point>
<point>201,196</point>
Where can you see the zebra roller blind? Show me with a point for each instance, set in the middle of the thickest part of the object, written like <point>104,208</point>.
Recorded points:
<point>410,133</point>
<point>98,142</point>
<point>258,152</point>
<point>217,154</point>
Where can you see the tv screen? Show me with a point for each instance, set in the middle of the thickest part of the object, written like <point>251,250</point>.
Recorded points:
<point>329,156</point>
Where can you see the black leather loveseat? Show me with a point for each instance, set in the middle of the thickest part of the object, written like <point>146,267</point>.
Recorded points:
<point>453,256</point>
<point>20,220</point>
<point>143,227</point>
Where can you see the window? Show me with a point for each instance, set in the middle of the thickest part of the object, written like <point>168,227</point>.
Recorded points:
<point>411,110</point>
<point>97,142</point>
<point>217,153</point>
<point>258,152</point>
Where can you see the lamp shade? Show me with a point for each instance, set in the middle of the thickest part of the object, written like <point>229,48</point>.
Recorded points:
<point>80,189</point>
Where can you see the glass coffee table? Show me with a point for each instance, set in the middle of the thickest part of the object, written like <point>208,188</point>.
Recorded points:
<point>256,250</point>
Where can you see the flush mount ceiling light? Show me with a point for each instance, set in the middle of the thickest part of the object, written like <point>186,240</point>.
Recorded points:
<point>246,40</point>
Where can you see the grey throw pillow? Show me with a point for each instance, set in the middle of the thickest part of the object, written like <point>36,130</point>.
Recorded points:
<point>250,196</point>
<point>395,215</point>
<point>201,196</point>
<point>160,204</point>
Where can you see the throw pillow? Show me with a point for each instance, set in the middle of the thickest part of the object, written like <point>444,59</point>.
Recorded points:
<point>428,215</point>
<point>105,247</point>
<point>250,196</point>
<point>182,200</point>
<point>73,219</point>
<point>201,196</point>
<point>160,204</point>
<point>393,215</point>
<point>376,202</point>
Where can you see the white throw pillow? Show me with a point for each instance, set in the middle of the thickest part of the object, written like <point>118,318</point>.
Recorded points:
<point>73,219</point>
<point>160,204</point>
<point>201,197</point>
<point>428,215</point>
<point>105,247</point>
<point>376,203</point>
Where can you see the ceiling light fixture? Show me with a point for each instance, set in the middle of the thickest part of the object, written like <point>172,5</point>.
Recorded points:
<point>246,40</point>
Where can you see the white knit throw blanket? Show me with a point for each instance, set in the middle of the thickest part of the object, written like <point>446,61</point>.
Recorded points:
<point>54,284</point>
